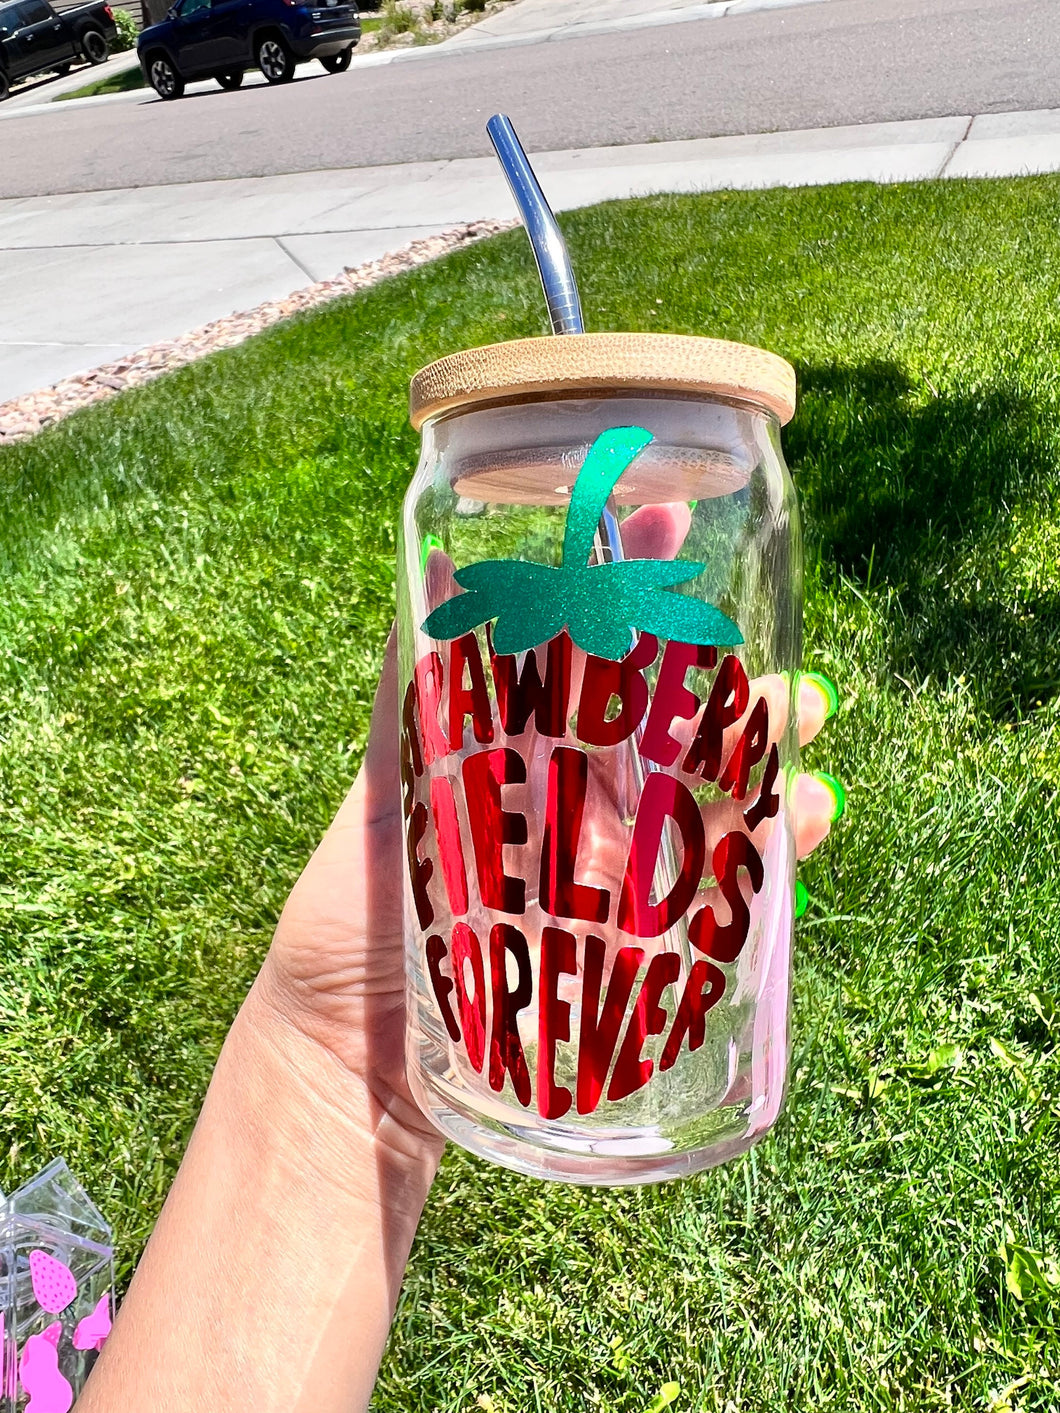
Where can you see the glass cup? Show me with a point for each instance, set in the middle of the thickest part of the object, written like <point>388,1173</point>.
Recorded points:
<point>599,618</point>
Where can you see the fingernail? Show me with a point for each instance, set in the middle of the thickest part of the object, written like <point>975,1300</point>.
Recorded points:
<point>429,543</point>
<point>802,898</point>
<point>835,789</point>
<point>827,689</point>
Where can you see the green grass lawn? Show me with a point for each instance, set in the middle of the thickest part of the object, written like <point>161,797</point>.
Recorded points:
<point>115,83</point>
<point>197,582</point>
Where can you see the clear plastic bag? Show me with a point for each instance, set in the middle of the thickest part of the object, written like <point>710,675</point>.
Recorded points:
<point>56,1291</point>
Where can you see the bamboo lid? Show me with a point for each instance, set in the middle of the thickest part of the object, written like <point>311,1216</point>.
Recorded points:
<point>588,363</point>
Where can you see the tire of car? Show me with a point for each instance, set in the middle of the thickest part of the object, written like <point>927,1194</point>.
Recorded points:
<point>337,63</point>
<point>274,59</point>
<point>5,87</point>
<point>232,79</point>
<point>94,46</point>
<point>165,80</point>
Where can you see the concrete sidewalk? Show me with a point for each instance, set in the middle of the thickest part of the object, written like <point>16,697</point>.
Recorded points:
<point>139,266</point>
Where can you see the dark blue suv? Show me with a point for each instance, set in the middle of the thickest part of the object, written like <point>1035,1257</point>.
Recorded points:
<point>221,39</point>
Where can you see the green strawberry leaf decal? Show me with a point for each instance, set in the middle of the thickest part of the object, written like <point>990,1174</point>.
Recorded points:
<point>601,605</point>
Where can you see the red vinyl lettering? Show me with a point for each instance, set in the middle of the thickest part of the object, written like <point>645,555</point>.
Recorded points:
<point>726,704</point>
<point>411,756</point>
<point>703,989</point>
<point>559,957</point>
<point>472,1006</point>
<point>450,851</point>
<point>521,695</point>
<point>441,985</point>
<point>420,870</point>
<point>662,798</point>
<point>768,802</point>
<point>506,1048</point>
<point>648,1018</point>
<point>672,699</point>
<point>429,679</point>
<point>561,895</point>
<point>602,681</point>
<point>472,700</point>
<point>602,1017</point>
<point>747,752</point>
<point>725,943</point>
<point>492,827</point>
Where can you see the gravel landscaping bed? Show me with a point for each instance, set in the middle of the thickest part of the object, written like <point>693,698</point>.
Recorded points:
<point>427,21</point>
<point>24,416</point>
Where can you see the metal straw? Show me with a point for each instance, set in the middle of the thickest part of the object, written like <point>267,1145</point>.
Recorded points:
<point>554,267</point>
<point>565,311</point>
<point>546,238</point>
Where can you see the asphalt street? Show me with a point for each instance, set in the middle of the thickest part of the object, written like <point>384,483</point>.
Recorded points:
<point>844,61</point>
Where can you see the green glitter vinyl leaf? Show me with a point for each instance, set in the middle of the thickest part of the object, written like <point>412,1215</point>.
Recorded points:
<point>602,606</point>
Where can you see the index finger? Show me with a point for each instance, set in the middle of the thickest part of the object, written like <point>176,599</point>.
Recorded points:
<point>818,703</point>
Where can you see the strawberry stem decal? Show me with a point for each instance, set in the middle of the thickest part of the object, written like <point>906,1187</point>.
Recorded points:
<point>600,605</point>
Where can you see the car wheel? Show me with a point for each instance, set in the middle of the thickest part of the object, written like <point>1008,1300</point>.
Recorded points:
<point>232,79</point>
<point>275,60</point>
<point>5,87</point>
<point>165,80</point>
<point>337,63</point>
<point>94,46</point>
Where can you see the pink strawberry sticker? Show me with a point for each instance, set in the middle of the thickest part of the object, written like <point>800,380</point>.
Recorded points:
<point>93,1330</point>
<point>53,1283</point>
<point>39,1371</point>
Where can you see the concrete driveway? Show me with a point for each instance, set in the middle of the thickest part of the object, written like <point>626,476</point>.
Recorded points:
<point>45,88</point>
<point>563,17</point>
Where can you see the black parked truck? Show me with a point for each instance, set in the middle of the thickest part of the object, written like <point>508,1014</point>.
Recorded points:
<point>35,39</point>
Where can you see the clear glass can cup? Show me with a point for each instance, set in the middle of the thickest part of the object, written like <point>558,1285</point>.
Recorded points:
<point>599,620</point>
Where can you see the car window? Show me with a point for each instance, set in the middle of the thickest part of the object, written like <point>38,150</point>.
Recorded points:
<point>189,7</point>
<point>33,12</point>
<point>9,19</point>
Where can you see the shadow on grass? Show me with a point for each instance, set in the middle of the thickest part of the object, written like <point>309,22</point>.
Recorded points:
<point>914,492</point>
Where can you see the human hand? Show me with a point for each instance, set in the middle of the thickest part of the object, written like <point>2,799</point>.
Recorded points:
<point>310,1160</point>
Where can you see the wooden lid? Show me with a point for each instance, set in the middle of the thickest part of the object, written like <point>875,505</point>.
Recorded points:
<point>574,363</point>
<point>541,476</point>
